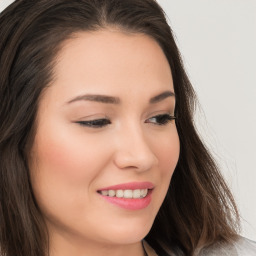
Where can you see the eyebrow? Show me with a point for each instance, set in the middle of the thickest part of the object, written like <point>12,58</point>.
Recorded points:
<point>161,96</point>
<point>97,98</point>
<point>115,100</point>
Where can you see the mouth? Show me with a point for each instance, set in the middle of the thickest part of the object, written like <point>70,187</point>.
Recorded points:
<point>132,196</point>
<point>127,193</point>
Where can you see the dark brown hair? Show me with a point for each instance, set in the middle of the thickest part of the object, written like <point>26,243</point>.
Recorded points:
<point>198,210</point>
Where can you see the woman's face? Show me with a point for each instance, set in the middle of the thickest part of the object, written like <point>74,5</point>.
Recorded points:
<point>104,127</point>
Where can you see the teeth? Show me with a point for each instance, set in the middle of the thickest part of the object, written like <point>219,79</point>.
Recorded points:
<point>111,193</point>
<point>119,193</point>
<point>104,192</point>
<point>136,193</point>
<point>144,192</point>
<point>128,193</point>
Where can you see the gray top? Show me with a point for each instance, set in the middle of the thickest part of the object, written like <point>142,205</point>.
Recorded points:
<point>242,247</point>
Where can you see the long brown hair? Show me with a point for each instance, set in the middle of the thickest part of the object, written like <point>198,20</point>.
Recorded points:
<point>198,210</point>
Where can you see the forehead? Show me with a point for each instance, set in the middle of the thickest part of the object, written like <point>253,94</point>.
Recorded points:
<point>111,59</point>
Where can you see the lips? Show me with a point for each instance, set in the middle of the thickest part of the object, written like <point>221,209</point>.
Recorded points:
<point>132,196</point>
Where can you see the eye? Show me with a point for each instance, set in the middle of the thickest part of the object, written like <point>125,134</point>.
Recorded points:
<point>162,119</point>
<point>97,123</point>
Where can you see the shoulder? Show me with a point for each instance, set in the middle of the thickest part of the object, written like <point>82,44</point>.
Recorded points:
<point>245,247</point>
<point>241,247</point>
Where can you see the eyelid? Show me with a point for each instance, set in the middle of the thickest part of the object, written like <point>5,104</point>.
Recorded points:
<point>165,118</point>
<point>95,123</point>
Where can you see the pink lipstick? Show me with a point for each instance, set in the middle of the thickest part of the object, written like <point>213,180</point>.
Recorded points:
<point>132,196</point>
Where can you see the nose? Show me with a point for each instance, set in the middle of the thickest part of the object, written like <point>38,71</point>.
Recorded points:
<point>134,151</point>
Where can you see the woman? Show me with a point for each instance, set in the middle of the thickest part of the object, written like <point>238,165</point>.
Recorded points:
<point>99,154</point>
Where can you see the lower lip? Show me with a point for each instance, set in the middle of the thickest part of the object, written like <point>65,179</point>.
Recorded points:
<point>129,203</point>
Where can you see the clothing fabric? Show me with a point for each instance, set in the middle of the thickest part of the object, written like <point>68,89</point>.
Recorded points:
<point>242,247</point>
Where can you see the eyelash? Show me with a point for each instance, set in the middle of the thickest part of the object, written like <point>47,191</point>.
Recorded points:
<point>162,119</point>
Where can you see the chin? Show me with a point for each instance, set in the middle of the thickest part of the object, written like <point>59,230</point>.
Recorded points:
<point>131,232</point>
<point>128,237</point>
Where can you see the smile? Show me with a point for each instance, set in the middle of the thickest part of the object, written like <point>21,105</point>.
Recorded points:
<point>130,196</point>
<point>127,193</point>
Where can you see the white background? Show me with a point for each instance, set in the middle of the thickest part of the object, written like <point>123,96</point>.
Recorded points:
<point>217,39</point>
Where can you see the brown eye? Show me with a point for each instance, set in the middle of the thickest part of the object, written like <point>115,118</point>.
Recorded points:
<point>161,119</point>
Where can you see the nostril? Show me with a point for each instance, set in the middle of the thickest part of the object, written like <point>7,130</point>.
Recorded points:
<point>133,151</point>
<point>135,161</point>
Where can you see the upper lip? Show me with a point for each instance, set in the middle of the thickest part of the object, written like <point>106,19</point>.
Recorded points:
<point>130,185</point>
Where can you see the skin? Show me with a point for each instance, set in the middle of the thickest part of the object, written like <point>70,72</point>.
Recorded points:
<point>70,162</point>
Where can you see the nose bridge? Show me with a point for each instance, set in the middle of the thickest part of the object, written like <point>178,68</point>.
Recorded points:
<point>134,150</point>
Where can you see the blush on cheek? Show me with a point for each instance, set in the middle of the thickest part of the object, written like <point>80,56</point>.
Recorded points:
<point>72,159</point>
<point>169,154</point>
<point>57,173</point>
<point>56,154</point>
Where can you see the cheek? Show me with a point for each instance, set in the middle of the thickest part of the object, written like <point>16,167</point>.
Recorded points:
<point>64,167</point>
<point>168,150</point>
<point>66,156</point>
<point>58,159</point>
<point>168,154</point>
<point>63,170</point>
